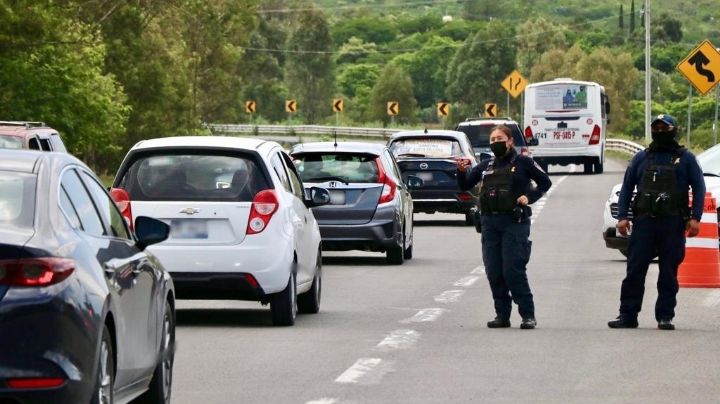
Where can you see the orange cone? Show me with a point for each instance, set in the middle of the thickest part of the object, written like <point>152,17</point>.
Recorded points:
<point>701,266</point>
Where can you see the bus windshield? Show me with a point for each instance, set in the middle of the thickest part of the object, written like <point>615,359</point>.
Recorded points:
<point>561,97</point>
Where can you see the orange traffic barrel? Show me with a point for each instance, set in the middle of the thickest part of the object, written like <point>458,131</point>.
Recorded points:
<point>701,266</point>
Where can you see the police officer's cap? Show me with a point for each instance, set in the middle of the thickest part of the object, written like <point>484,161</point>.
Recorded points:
<point>665,118</point>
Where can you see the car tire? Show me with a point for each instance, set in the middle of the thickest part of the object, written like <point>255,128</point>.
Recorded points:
<point>160,388</point>
<point>309,302</point>
<point>469,219</point>
<point>408,254</point>
<point>105,375</point>
<point>587,168</point>
<point>598,168</point>
<point>283,305</point>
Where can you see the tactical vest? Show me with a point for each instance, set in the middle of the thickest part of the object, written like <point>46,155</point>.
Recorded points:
<point>657,192</point>
<point>496,194</point>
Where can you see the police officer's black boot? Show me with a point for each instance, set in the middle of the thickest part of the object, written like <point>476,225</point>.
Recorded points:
<point>528,323</point>
<point>666,324</point>
<point>623,322</point>
<point>499,322</point>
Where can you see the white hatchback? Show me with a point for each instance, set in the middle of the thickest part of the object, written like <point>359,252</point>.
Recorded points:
<point>241,224</point>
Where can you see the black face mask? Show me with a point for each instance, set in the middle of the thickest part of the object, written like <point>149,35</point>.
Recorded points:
<point>498,148</point>
<point>663,139</point>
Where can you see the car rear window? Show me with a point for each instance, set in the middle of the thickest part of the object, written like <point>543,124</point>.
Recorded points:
<point>17,199</point>
<point>479,135</point>
<point>426,147</point>
<point>194,176</point>
<point>10,142</point>
<point>349,167</point>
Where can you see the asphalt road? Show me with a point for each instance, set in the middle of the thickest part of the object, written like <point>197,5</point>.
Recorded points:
<point>416,333</point>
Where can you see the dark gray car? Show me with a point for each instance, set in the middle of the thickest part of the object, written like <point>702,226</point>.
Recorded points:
<point>370,207</point>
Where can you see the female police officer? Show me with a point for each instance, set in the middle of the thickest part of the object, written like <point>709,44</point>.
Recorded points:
<point>505,193</point>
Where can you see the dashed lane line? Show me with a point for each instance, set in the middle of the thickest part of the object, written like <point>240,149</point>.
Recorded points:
<point>399,339</point>
<point>538,206</point>
<point>449,296</point>
<point>478,270</point>
<point>323,401</point>
<point>466,281</point>
<point>424,315</point>
<point>365,371</point>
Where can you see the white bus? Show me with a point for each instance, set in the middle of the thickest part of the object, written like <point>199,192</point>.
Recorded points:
<point>569,120</point>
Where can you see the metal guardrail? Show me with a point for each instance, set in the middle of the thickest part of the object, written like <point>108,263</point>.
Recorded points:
<point>376,134</point>
<point>623,145</point>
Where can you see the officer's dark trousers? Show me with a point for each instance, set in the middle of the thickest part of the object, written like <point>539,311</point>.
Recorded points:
<point>506,252</point>
<point>650,235</point>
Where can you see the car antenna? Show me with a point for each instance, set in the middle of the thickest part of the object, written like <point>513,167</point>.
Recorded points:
<point>335,133</point>
<point>426,131</point>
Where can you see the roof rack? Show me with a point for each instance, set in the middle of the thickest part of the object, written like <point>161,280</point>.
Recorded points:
<point>26,124</point>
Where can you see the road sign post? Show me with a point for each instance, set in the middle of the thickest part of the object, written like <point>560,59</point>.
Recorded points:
<point>290,107</point>
<point>337,106</point>
<point>689,115</point>
<point>393,108</point>
<point>250,108</point>
<point>702,67</point>
<point>515,85</point>
<point>443,110</point>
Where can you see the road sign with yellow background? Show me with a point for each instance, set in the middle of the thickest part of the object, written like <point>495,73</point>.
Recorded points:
<point>291,106</point>
<point>491,110</point>
<point>250,107</point>
<point>514,83</point>
<point>393,108</point>
<point>702,67</point>
<point>443,108</point>
<point>338,105</point>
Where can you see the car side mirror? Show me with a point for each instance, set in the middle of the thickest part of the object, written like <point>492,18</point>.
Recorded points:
<point>414,182</point>
<point>318,197</point>
<point>150,231</point>
<point>533,141</point>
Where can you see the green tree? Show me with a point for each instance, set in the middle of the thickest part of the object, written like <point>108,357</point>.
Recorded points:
<point>353,78</point>
<point>369,29</point>
<point>632,16</point>
<point>557,63</point>
<point>666,28</point>
<point>354,50</point>
<point>480,65</point>
<point>309,71</point>
<point>394,84</point>
<point>621,19</point>
<point>536,37</point>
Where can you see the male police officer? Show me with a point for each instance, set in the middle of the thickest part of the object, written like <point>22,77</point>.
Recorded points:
<point>662,174</point>
<point>505,192</point>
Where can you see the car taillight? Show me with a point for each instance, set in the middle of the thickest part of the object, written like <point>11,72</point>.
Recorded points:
<point>528,133</point>
<point>35,272</point>
<point>122,200</point>
<point>264,206</point>
<point>464,196</point>
<point>35,382</point>
<point>595,137</point>
<point>389,186</point>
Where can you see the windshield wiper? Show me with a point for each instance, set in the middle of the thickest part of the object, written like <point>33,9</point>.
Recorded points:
<point>411,155</point>
<point>328,178</point>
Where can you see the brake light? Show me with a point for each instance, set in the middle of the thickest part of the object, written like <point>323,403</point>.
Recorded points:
<point>122,200</point>
<point>528,133</point>
<point>464,197</point>
<point>35,382</point>
<point>595,137</point>
<point>389,186</point>
<point>35,272</point>
<point>264,206</point>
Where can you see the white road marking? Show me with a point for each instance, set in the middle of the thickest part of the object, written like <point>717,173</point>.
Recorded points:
<point>466,281</point>
<point>365,371</point>
<point>399,339</point>
<point>323,401</point>
<point>713,299</point>
<point>449,296</point>
<point>540,203</point>
<point>478,270</point>
<point>424,315</point>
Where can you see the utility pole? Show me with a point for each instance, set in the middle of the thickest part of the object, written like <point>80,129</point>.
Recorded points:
<point>648,97</point>
<point>717,99</point>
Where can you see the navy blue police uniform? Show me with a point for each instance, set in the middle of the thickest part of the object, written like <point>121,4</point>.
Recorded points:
<point>505,227</point>
<point>660,210</point>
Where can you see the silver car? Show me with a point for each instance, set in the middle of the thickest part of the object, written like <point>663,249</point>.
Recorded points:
<point>370,207</point>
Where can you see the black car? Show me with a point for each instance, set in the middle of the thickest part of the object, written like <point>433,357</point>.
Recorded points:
<point>478,132</point>
<point>86,315</point>
<point>431,155</point>
<point>370,207</point>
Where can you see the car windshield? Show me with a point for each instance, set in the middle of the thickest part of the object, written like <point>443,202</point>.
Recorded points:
<point>207,177</point>
<point>432,147</point>
<point>17,199</point>
<point>479,135</point>
<point>709,160</point>
<point>343,167</point>
<point>10,142</point>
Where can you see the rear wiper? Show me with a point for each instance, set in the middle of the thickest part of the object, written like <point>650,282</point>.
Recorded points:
<point>328,178</point>
<point>411,155</point>
<point>711,175</point>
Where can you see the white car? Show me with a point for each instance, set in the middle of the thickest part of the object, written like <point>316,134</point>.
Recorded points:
<point>241,224</point>
<point>709,161</point>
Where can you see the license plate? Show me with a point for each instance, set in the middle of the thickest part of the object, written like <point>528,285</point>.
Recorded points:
<point>337,197</point>
<point>425,176</point>
<point>188,228</point>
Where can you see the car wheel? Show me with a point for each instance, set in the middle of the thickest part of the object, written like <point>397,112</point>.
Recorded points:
<point>105,377</point>
<point>598,168</point>
<point>396,255</point>
<point>587,168</point>
<point>161,385</point>
<point>408,254</point>
<point>309,302</point>
<point>283,305</point>
<point>469,219</point>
